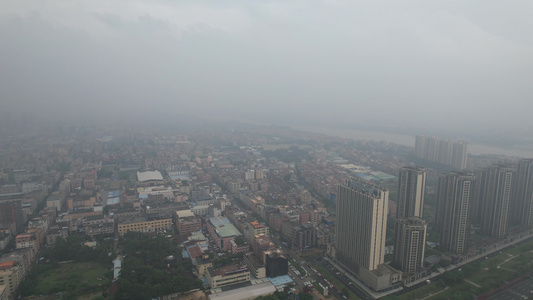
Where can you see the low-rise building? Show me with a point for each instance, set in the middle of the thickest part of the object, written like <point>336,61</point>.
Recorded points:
<point>187,222</point>
<point>202,264</point>
<point>252,229</point>
<point>254,265</point>
<point>200,210</point>
<point>222,232</point>
<point>144,224</point>
<point>227,275</point>
<point>239,245</point>
<point>27,240</point>
<point>54,233</point>
<point>94,225</point>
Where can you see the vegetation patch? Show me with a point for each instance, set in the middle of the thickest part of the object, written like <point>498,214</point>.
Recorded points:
<point>74,278</point>
<point>153,267</point>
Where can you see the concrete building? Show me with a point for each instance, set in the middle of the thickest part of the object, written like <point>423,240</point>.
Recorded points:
<point>259,174</point>
<point>410,244</point>
<point>459,155</point>
<point>255,267</point>
<point>276,264</point>
<point>411,190</point>
<point>361,224</point>
<point>305,236</point>
<point>11,215</point>
<point>360,233</point>
<point>227,275</point>
<point>11,273</point>
<point>149,178</point>
<point>27,240</point>
<point>451,216</point>
<point>187,222</point>
<point>305,197</point>
<point>239,246</point>
<point>202,264</point>
<point>445,152</point>
<point>495,196</point>
<point>200,210</point>
<point>54,233</point>
<point>432,149</point>
<point>522,204</point>
<point>222,232</point>
<point>249,175</point>
<point>244,293</point>
<point>144,224</point>
<point>5,238</point>
<point>55,201</point>
<point>252,229</point>
<point>420,146</point>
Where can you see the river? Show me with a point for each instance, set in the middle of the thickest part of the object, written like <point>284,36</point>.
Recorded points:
<point>408,140</point>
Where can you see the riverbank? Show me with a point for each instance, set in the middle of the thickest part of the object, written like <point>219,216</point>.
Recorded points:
<point>407,140</point>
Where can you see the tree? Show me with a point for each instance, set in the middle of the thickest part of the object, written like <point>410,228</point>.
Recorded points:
<point>305,296</point>
<point>345,291</point>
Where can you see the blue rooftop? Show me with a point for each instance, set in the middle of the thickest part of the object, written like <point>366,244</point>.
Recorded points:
<point>280,280</point>
<point>217,221</point>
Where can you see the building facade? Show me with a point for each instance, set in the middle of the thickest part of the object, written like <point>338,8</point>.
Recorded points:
<point>411,190</point>
<point>523,197</point>
<point>410,244</point>
<point>495,196</point>
<point>451,215</point>
<point>142,224</point>
<point>361,224</point>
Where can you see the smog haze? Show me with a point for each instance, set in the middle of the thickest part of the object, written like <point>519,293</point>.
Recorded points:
<point>402,66</point>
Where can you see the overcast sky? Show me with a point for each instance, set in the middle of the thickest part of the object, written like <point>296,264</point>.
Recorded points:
<point>421,64</point>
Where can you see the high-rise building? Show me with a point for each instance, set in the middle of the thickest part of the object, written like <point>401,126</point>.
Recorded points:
<point>432,149</point>
<point>474,211</point>
<point>361,224</point>
<point>494,198</point>
<point>459,155</point>
<point>11,215</point>
<point>445,152</point>
<point>276,264</point>
<point>410,244</point>
<point>259,174</point>
<point>410,228</point>
<point>523,194</point>
<point>411,189</point>
<point>249,175</point>
<point>420,146</point>
<point>451,215</point>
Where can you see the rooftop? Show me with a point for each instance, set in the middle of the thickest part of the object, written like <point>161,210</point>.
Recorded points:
<point>247,292</point>
<point>227,230</point>
<point>227,269</point>
<point>149,175</point>
<point>187,213</point>
<point>217,221</point>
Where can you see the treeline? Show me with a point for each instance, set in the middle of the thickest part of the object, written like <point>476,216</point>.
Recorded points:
<point>152,267</point>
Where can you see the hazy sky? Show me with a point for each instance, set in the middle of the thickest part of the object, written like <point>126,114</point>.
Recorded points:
<point>419,63</point>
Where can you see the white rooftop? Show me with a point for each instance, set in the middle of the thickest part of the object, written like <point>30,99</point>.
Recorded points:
<point>184,213</point>
<point>149,175</point>
<point>249,292</point>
